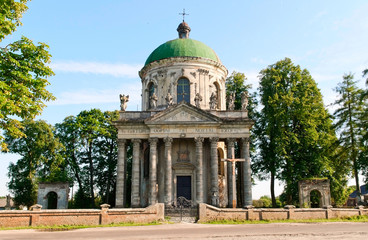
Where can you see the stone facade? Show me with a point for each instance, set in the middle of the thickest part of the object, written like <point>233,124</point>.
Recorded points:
<point>205,77</point>
<point>60,189</point>
<point>322,186</point>
<point>182,132</point>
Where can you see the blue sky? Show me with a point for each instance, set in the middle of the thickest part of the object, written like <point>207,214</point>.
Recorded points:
<point>98,47</point>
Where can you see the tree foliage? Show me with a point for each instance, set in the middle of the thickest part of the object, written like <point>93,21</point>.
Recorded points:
<point>294,130</point>
<point>91,153</point>
<point>236,84</point>
<point>41,161</point>
<point>11,13</point>
<point>348,121</point>
<point>23,74</point>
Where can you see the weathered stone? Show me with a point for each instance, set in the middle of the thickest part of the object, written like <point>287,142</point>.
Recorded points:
<point>60,190</point>
<point>322,186</point>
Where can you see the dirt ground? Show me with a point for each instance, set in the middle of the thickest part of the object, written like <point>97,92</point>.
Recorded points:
<point>299,231</point>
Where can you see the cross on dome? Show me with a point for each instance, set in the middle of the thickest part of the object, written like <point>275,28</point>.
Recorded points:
<point>183,13</point>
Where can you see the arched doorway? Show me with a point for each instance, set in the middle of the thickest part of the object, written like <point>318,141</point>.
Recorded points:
<point>315,199</point>
<point>52,199</point>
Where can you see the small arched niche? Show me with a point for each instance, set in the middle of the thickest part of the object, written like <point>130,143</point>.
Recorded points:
<point>150,91</point>
<point>218,94</point>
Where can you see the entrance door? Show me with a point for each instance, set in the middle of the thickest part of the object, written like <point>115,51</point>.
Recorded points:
<point>184,187</point>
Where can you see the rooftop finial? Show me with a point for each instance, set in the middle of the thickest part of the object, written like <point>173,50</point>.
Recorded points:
<point>183,13</point>
<point>183,28</point>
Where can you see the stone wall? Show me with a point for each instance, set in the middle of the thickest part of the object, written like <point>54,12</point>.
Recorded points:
<point>38,217</point>
<point>210,213</point>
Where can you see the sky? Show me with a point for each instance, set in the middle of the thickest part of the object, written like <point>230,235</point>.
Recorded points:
<point>98,47</point>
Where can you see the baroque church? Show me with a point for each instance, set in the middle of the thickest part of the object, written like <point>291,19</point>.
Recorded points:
<point>184,138</point>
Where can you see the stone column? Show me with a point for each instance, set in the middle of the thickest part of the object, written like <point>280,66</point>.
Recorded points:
<point>135,199</point>
<point>247,173</point>
<point>199,169</point>
<point>214,172</point>
<point>121,174</point>
<point>168,171</point>
<point>153,172</point>
<point>230,176</point>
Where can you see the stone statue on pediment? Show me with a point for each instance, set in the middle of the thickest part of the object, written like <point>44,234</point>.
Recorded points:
<point>198,100</point>
<point>213,101</point>
<point>123,102</point>
<point>244,100</point>
<point>169,99</point>
<point>231,100</point>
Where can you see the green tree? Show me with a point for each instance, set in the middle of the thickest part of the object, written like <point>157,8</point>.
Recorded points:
<point>363,158</point>
<point>11,12</point>
<point>107,146</point>
<point>67,132</point>
<point>348,122</point>
<point>40,161</point>
<point>236,84</point>
<point>91,154</point>
<point>365,74</point>
<point>294,130</point>
<point>23,73</point>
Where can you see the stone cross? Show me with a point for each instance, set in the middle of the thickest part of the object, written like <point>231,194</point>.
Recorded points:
<point>233,160</point>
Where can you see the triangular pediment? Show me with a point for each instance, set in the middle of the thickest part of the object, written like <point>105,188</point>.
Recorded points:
<point>183,113</point>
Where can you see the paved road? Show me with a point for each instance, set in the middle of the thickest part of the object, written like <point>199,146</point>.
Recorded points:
<point>279,231</point>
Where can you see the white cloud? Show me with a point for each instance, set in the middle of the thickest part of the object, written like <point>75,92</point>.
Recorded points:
<point>113,69</point>
<point>95,96</point>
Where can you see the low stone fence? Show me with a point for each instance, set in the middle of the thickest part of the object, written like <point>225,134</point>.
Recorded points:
<point>210,213</point>
<point>39,217</point>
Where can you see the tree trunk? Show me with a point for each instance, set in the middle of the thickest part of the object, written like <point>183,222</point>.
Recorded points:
<point>91,172</point>
<point>273,198</point>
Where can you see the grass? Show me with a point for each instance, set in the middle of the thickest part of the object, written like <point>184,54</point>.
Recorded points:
<point>72,227</point>
<point>345,219</point>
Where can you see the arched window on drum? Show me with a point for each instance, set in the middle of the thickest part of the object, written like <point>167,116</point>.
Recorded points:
<point>151,90</point>
<point>217,92</point>
<point>183,90</point>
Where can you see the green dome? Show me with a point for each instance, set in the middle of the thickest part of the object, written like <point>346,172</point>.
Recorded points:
<point>182,47</point>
